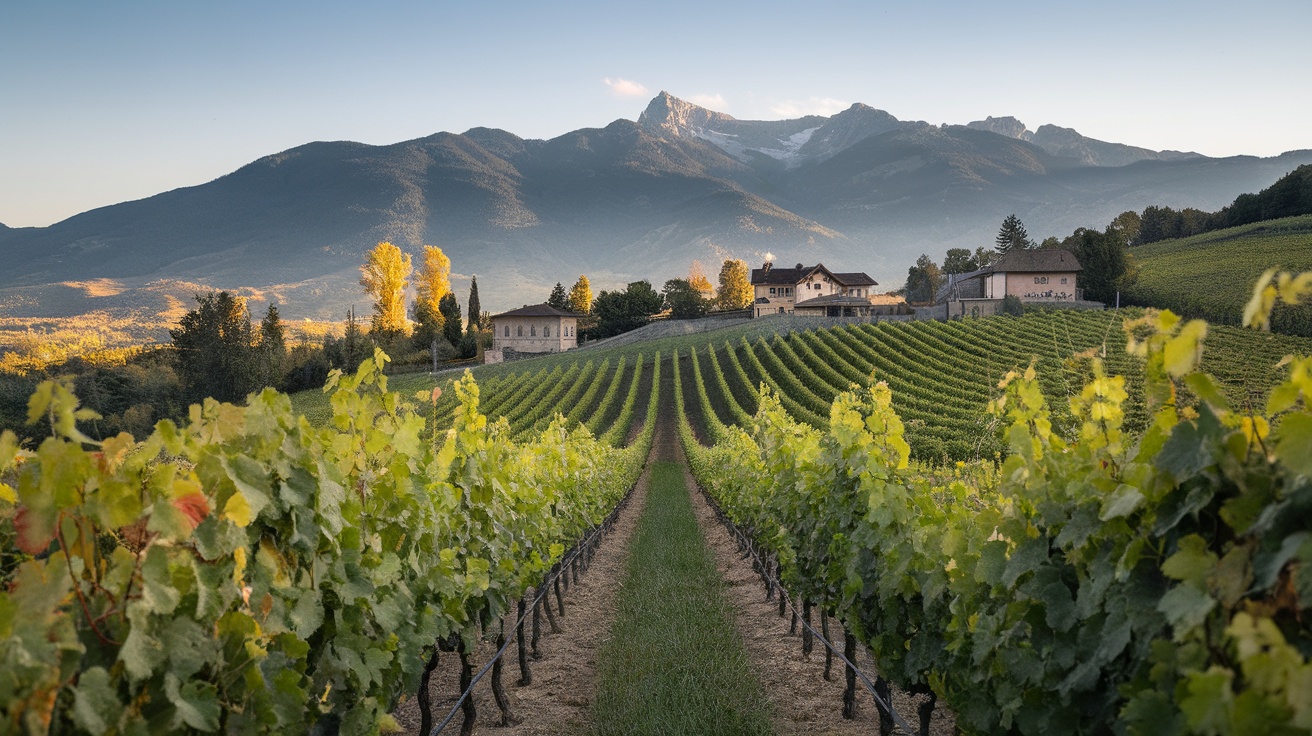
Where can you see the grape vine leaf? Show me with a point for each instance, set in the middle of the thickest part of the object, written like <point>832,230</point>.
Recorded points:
<point>96,705</point>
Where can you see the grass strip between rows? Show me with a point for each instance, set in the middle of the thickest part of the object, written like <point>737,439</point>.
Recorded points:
<point>674,663</point>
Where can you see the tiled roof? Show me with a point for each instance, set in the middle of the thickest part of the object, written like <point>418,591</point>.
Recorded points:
<point>537,310</point>
<point>1036,260</point>
<point>790,276</point>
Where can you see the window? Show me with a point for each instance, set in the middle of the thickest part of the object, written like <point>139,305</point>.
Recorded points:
<point>781,310</point>
<point>546,331</point>
<point>532,330</point>
<point>507,330</point>
<point>1063,279</point>
<point>519,330</point>
<point>771,291</point>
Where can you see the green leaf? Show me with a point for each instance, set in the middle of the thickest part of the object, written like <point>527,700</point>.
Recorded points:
<point>1185,608</point>
<point>1192,446</point>
<point>1208,706</point>
<point>1205,388</point>
<point>197,702</point>
<point>1029,555</point>
<point>141,653</point>
<point>1151,713</point>
<point>96,706</point>
<point>307,614</point>
<point>1121,502</point>
<point>1294,443</point>
<point>992,562</point>
<point>1192,562</point>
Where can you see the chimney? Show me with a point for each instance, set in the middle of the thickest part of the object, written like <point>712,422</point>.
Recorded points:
<point>768,265</point>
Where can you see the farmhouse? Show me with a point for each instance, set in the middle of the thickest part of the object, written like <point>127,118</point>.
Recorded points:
<point>811,290</point>
<point>532,330</point>
<point>1046,275</point>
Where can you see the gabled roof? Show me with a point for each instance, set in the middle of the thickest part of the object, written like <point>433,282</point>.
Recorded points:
<point>1036,260</point>
<point>790,276</point>
<point>834,300</point>
<point>537,310</point>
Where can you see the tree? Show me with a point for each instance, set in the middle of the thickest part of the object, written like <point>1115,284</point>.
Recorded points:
<point>1108,265</point>
<point>558,298</point>
<point>450,309</point>
<point>735,286</point>
<point>214,346</point>
<point>1049,243</point>
<point>349,352</point>
<point>1012,235</point>
<point>621,311</point>
<point>684,300</point>
<point>697,279</point>
<point>580,297</point>
<point>959,260</point>
<point>384,276</point>
<point>271,352</point>
<point>434,279</point>
<point>474,310</point>
<point>1127,226</point>
<point>984,256</point>
<point>923,280</point>
<point>430,325</point>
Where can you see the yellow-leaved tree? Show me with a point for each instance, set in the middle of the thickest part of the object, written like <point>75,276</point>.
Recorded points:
<point>735,287</point>
<point>698,281</point>
<point>385,276</point>
<point>433,280</point>
<point>580,297</point>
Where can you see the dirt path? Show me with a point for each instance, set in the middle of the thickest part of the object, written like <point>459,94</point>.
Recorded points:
<point>564,680</point>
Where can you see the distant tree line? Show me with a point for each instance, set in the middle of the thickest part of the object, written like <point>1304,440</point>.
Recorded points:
<point>1291,195</point>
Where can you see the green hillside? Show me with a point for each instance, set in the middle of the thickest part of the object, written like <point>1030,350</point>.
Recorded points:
<point>1212,275</point>
<point>942,374</point>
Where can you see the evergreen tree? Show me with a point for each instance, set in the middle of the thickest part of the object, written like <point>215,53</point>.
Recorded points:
<point>474,310</point>
<point>735,286</point>
<point>558,298</point>
<point>349,352</point>
<point>214,348</point>
<point>1106,260</point>
<point>580,297</point>
<point>1012,235</point>
<point>272,348</point>
<point>450,309</point>
<point>384,276</point>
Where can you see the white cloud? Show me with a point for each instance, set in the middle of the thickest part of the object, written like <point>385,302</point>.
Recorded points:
<point>624,87</point>
<point>710,102</point>
<point>809,106</point>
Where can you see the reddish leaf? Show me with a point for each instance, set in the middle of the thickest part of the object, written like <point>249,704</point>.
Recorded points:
<point>194,506</point>
<point>32,539</point>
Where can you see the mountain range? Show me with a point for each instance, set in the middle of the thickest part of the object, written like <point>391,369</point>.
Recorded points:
<point>860,190</point>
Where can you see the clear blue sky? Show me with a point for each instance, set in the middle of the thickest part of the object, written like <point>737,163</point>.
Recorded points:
<point>106,102</point>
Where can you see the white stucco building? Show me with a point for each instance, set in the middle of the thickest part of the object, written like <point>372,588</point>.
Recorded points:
<point>532,329</point>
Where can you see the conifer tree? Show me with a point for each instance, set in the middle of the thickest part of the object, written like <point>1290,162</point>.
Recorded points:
<point>1012,235</point>
<point>474,309</point>
<point>214,345</point>
<point>558,298</point>
<point>272,348</point>
<point>450,309</point>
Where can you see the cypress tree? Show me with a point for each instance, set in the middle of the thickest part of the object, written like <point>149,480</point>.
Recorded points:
<point>475,310</point>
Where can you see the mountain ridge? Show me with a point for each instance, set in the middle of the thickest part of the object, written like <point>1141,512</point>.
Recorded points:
<point>861,190</point>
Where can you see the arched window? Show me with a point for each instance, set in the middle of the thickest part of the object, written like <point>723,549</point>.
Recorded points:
<point>507,330</point>
<point>546,331</point>
<point>532,330</point>
<point>519,330</point>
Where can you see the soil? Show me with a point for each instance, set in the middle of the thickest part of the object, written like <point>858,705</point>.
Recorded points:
<point>559,701</point>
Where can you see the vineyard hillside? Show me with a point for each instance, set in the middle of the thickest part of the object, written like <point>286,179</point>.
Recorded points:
<point>1211,276</point>
<point>942,375</point>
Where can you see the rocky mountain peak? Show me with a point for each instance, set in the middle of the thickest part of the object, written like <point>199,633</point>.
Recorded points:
<point>669,114</point>
<point>1008,126</point>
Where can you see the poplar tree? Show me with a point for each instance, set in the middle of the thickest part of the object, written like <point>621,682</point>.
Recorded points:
<point>580,297</point>
<point>385,276</point>
<point>433,280</point>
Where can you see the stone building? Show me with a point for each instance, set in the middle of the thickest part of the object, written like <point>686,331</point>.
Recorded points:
<point>532,330</point>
